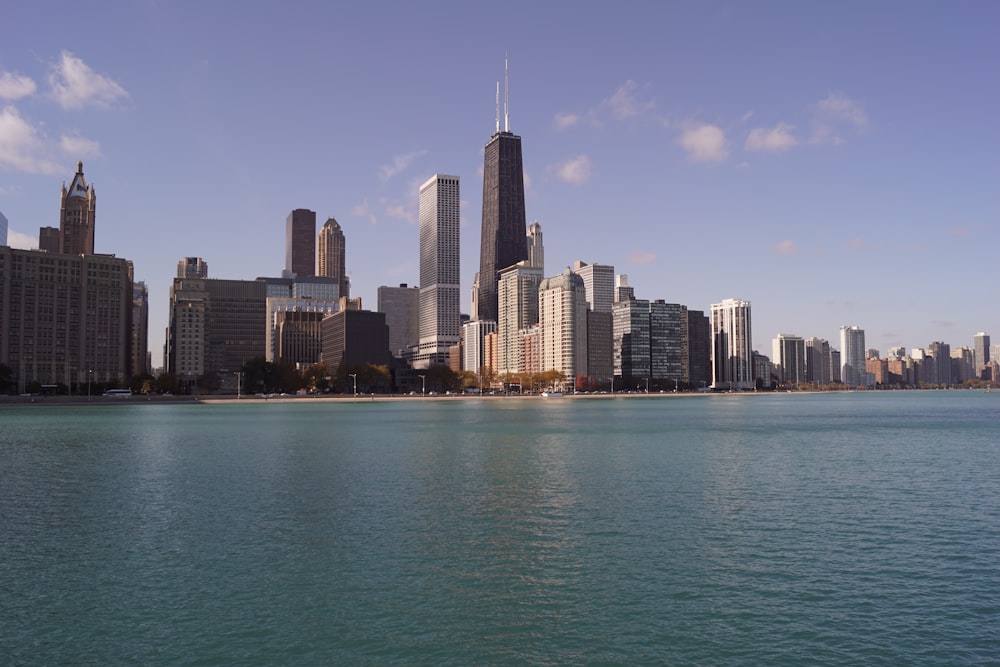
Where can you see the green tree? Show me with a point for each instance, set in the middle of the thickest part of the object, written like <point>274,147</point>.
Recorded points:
<point>166,383</point>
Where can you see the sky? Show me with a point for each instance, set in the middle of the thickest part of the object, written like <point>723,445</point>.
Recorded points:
<point>833,163</point>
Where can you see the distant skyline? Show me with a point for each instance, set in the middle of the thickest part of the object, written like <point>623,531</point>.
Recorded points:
<point>835,164</point>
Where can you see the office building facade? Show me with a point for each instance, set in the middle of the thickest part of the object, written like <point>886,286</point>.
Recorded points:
<point>440,314</point>
<point>401,306</point>
<point>732,346</point>
<point>332,255</point>
<point>853,371</point>
<point>788,359</point>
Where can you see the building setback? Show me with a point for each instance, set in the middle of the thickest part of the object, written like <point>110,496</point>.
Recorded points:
<point>65,318</point>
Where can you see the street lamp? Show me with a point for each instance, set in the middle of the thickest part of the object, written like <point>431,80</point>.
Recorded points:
<point>90,374</point>
<point>354,376</point>
<point>423,385</point>
<point>239,383</point>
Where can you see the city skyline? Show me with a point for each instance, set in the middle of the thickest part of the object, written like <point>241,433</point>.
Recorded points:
<point>685,154</point>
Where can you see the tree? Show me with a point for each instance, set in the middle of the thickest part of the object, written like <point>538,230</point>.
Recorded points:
<point>166,383</point>
<point>441,378</point>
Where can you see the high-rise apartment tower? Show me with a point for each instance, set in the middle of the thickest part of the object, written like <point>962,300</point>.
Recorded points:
<point>440,314</point>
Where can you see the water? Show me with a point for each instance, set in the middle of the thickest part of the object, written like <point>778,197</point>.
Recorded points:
<point>783,530</point>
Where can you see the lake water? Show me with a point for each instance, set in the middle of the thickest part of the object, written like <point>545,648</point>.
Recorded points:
<point>822,529</point>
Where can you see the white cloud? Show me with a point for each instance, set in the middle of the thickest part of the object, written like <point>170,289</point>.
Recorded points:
<point>624,103</point>
<point>21,149</point>
<point>400,212</point>
<point>75,86</point>
<point>778,138</point>
<point>575,171</point>
<point>362,210</point>
<point>641,257</point>
<point>22,241</point>
<point>705,143</point>
<point>399,164</point>
<point>566,120</point>
<point>79,146</point>
<point>786,248</point>
<point>840,107</point>
<point>13,86</point>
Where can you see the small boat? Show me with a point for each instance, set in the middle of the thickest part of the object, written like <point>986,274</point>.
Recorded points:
<point>552,394</point>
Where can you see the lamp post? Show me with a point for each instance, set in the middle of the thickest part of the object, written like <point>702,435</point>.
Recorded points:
<point>354,376</point>
<point>239,383</point>
<point>423,385</point>
<point>90,374</point>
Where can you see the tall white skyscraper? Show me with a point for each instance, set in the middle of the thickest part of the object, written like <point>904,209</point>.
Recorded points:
<point>517,308</point>
<point>852,356</point>
<point>981,350</point>
<point>562,320</point>
<point>732,345</point>
<point>440,316</point>
<point>599,283</point>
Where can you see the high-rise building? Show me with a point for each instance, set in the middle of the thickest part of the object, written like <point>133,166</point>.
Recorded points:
<point>293,329</point>
<point>788,359</point>
<point>732,345</point>
<point>440,310</point>
<point>623,292</point>
<point>401,306</point>
<point>630,342</point>
<point>332,255</point>
<point>852,356</point>
<point>940,353</point>
<point>474,354</point>
<point>599,283</point>
<point>981,350</point>
<point>517,304</point>
<point>562,320</point>
<point>65,319</point>
<point>77,216</point>
<point>667,341</point>
<point>354,338</point>
<point>504,238</point>
<point>300,243</point>
<point>3,229</point>
<point>536,250</point>
<point>699,370</point>
<point>818,361</point>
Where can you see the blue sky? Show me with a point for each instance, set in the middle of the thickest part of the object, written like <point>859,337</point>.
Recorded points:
<point>834,163</point>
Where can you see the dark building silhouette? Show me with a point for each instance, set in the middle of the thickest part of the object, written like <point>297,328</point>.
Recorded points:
<point>355,337</point>
<point>699,352</point>
<point>48,239</point>
<point>504,233</point>
<point>300,243</point>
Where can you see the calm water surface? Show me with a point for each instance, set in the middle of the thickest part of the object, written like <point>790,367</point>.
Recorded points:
<point>782,529</point>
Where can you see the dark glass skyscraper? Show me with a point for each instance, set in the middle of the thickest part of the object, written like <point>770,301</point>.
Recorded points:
<point>504,234</point>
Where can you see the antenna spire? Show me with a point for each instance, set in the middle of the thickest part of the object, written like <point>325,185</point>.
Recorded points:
<point>498,107</point>
<point>506,95</point>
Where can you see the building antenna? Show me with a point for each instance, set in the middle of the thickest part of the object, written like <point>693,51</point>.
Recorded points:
<point>498,107</point>
<point>506,95</point>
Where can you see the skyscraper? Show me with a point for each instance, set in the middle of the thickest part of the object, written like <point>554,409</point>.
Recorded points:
<point>562,322</point>
<point>789,359</point>
<point>732,345</point>
<point>332,255</point>
<point>300,243</point>
<point>440,315</point>
<point>536,250</point>
<point>517,304</point>
<point>981,350</point>
<point>77,215</point>
<point>503,241</point>
<point>852,356</point>
<point>3,229</point>
<point>401,306</point>
<point>599,282</point>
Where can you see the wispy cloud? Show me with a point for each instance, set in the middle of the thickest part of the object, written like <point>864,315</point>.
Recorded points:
<point>775,139</point>
<point>14,87</point>
<point>75,85</point>
<point>79,146</point>
<point>362,210</point>
<point>400,212</point>
<point>575,171</point>
<point>21,148</point>
<point>400,163</point>
<point>641,257</point>
<point>563,121</point>
<point>786,248</point>
<point>625,103</point>
<point>704,143</point>
<point>22,241</point>
<point>960,232</point>
<point>834,114</point>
